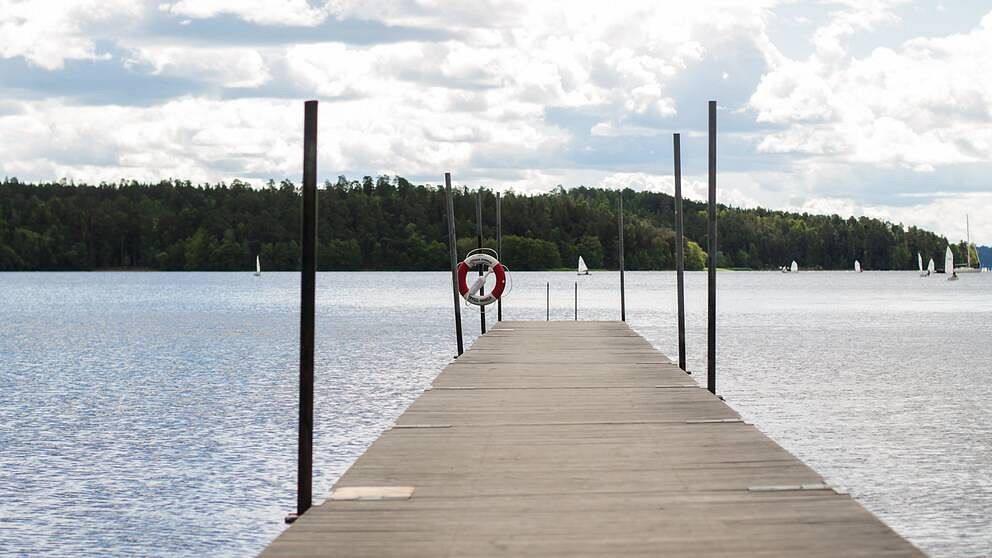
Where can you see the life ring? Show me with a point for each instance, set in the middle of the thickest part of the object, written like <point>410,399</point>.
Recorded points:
<point>471,293</point>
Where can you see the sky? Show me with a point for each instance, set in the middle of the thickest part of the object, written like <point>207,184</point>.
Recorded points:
<point>865,107</point>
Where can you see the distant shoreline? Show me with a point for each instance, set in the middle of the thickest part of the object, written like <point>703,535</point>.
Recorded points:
<point>591,272</point>
<point>370,222</point>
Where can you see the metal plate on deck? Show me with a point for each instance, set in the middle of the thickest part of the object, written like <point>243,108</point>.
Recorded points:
<point>788,487</point>
<point>372,493</point>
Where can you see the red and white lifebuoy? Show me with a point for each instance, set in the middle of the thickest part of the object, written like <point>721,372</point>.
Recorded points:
<point>490,265</point>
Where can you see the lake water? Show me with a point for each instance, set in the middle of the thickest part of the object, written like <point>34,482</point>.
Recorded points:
<point>155,413</point>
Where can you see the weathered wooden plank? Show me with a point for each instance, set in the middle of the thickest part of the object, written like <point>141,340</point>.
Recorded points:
<point>555,439</point>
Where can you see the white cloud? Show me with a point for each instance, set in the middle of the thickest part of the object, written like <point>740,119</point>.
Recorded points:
<point>205,139</point>
<point>924,104</point>
<point>228,67</point>
<point>264,12</point>
<point>184,138</point>
<point>515,93</point>
<point>477,99</point>
<point>592,54</point>
<point>457,14</point>
<point>856,15</point>
<point>612,130</point>
<point>47,34</point>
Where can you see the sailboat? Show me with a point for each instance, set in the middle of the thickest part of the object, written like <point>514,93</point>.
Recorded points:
<point>967,250</point>
<point>792,268</point>
<point>857,266</point>
<point>949,265</point>
<point>931,268</point>
<point>919,262</point>
<point>258,267</point>
<point>583,269</point>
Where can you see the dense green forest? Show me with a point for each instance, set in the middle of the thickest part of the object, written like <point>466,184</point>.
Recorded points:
<point>387,223</point>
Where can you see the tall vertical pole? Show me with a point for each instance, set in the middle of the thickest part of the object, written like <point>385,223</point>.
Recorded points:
<point>623,308</point>
<point>308,280</point>
<point>499,250</point>
<point>712,245</point>
<point>482,288</point>
<point>547,302</point>
<point>679,249</point>
<point>453,250</point>
<point>576,301</point>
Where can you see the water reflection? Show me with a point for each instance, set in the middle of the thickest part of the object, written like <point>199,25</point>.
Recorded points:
<point>158,410</point>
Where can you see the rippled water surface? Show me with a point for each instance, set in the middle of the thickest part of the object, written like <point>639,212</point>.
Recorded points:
<point>155,413</point>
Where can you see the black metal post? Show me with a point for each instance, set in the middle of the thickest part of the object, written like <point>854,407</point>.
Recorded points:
<point>482,288</point>
<point>679,249</point>
<point>576,301</point>
<point>547,303</point>
<point>453,250</point>
<point>623,308</point>
<point>499,250</point>
<point>711,305</point>
<point>308,280</point>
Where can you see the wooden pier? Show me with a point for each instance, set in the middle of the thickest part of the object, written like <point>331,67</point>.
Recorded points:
<point>579,439</point>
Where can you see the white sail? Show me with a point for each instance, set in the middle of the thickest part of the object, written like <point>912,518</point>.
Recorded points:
<point>919,261</point>
<point>931,267</point>
<point>258,266</point>
<point>857,266</point>
<point>967,246</point>
<point>794,267</point>
<point>583,268</point>
<point>949,261</point>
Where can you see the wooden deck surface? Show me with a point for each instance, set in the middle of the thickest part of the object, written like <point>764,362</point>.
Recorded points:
<point>579,439</point>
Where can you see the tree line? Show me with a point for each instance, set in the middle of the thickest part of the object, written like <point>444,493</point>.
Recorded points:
<point>387,223</point>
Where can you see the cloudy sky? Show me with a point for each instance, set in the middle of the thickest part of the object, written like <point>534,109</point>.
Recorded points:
<point>876,107</point>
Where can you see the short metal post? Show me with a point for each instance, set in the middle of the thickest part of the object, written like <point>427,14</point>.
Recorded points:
<point>499,250</point>
<point>679,249</point>
<point>547,303</point>
<point>711,305</point>
<point>482,288</point>
<point>576,301</point>
<point>308,280</point>
<point>453,250</point>
<point>623,308</point>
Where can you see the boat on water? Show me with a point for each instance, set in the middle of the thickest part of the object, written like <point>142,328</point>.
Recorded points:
<point>967,250</point>
<point>952,274</point>
<point>931,267</point>
<point>582,269</point>
<point>792,268</point>
<point>258,266</point>
<point>919,263</point>
<point>857,266</point>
